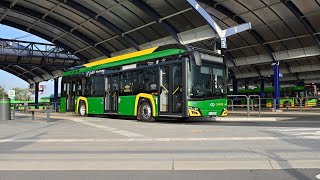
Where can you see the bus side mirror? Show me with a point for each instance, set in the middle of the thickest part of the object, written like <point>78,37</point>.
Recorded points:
<point>197,58</point>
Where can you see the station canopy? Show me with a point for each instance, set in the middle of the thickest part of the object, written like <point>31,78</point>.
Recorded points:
<point>282,30</point>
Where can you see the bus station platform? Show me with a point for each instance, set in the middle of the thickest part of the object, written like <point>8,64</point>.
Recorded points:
<point>273,116</point>
<point>72,142</point>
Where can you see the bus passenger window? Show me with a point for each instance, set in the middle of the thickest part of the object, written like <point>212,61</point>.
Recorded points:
<point>135,82</point>
<point>149,80</point>
<point>88,87</point>
<point>97,86</point>
<point>78,88</point>
<point>125,83</point>
<point>64,92</point>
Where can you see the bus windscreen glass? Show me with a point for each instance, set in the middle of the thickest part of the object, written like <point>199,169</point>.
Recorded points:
<point>206,81</point>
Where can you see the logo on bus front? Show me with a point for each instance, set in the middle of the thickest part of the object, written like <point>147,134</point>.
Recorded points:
<point>212,104</point>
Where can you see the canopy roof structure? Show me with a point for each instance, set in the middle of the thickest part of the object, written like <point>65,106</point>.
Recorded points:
<point>282,30</point>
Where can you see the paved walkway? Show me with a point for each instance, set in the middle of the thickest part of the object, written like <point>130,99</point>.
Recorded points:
<point>71,142</point>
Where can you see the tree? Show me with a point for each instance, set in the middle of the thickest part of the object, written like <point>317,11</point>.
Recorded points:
<point>2,92</point>
<point>22,94</point>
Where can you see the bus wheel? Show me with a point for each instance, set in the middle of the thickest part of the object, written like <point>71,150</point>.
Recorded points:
<point>145,112</point>
<point>82,109</point>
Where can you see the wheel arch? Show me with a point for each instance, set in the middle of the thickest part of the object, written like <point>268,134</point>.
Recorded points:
<point>145,97</point>
<point>81,98</point>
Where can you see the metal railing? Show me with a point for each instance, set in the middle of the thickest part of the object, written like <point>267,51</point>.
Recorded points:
<point>259,102</point>
<point>235,97</point>
<point>22,108</point>
<point>254,103</point>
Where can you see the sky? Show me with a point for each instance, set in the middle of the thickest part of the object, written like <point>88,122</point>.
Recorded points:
<point>10,81</point>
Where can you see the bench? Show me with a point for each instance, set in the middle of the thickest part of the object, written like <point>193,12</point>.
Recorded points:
<point>48,111</point>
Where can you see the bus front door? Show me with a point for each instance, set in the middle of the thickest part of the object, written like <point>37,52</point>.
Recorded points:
<point>170,100</point>
<point>111,94</point>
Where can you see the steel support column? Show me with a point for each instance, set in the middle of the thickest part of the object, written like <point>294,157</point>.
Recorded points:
<point>262,88</point>
<point>235,86</point>
<point>36,95</point>
<point>55,93</point>
<point>262,94</point>
<point>276,84</point>
<point>246,84</point>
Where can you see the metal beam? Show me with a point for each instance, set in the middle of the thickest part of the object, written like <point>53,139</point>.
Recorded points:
<point>217,6</point>
<point>187,37</point>
<point>146,25</point>
<point>223,33</point>
<point>290,71</point>
<point>92,19</point>
<point>25,71</point>
<point>296,11</point>
<point>45,75</point>
<point>36,65</point>
<point>279,56</point>
<point>15,73</point>
<point>44,16</point>
<point>275,41</point>
<point>258,70</point>
<point>56,24</point>
<point>5,13</point>
<point>33,71</point>
<point>293,70</point>
<point>44,36</point>
<point>101,20</point>
<point>27,49</point>
<point>156,17</point>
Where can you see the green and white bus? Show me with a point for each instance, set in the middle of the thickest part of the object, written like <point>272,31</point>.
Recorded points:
<point>288,95</point>
<point>167,81</point>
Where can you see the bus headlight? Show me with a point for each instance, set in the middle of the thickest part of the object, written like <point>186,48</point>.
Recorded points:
<point>194,111</point>
<point>224,112</point>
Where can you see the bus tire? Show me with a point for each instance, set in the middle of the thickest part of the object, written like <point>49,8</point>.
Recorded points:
<point>145,112</point>
<point>82,109</point>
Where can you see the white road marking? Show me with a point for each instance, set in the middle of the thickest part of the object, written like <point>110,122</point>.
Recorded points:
<point>318,176</point>
<point>300,131</point>
<point>108,128</point>
<point>157,139</point>
<point>297,129</point>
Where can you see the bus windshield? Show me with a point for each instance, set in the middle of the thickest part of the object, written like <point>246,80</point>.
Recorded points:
<point>206,81</point>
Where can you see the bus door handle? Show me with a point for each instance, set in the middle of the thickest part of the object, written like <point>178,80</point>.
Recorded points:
<point>176,90</point>
<point>107,93</point>
<point>164,88</point>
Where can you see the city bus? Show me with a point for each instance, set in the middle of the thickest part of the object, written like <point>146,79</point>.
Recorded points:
<point>172,81</point>
<point>288,95</point>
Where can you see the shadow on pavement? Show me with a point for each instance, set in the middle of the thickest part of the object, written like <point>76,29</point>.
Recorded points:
<point>10,147</point>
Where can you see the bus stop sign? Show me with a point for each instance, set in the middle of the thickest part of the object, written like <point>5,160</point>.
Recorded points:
<point>12,94</point>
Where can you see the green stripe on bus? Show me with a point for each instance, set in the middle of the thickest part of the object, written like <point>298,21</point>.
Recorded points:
<point>4,102</point>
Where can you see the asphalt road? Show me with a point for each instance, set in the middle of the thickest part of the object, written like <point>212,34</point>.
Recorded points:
<point>70,147</point>
<point>291,174</point>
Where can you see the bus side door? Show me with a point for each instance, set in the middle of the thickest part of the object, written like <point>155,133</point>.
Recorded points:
<point>111,94</point>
